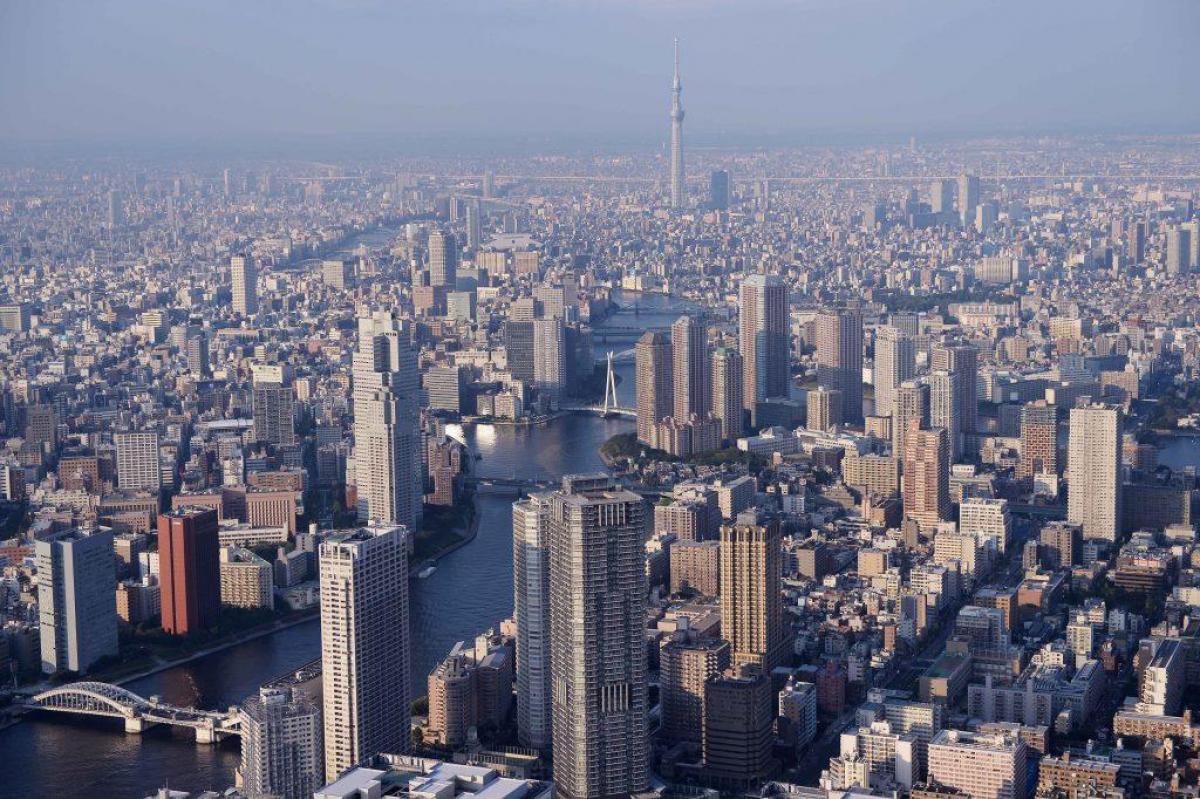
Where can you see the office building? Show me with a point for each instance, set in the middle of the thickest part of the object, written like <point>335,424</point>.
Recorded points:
<point>531,612</point>
<point>968,198</point>
<point>751,599</point>
<point>443,260</point>
<point>77,611</point>
<point>895,362</point>
<point>365,645</point>
<point>763,339</point>
<point>244,274</point>
<point>739,716</point>
<point>137,461</point>
<point>727,405</point>
<point>1094,471</point>
<point>1179,250</point>
<point>986,519</point>
<point>597,638</point>
<point>840,358</point>
<point>689,359</point>
<point>282,744</point>
<point>941,196</point>
<point>798,704</point>
<point>1060,544</point>
<point>718,190</point>
<point>189,569</point>
<point>824,408</point>
<point>655,383</point>
<point>926,479</point>
<point>338,273</point>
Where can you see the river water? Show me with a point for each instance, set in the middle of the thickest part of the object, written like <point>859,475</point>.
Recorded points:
<point>471,590</point>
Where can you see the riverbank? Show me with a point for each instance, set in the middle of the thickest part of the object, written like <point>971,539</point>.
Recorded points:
<point>465,538</point>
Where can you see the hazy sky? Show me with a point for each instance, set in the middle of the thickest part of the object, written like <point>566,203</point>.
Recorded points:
<point>224,71</point>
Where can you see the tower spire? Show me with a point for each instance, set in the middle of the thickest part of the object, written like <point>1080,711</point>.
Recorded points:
<point>678,200</point>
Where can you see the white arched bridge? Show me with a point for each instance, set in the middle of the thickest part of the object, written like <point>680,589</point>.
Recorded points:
<point>113,701</point>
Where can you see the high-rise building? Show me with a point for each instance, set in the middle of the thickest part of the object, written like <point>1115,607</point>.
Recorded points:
<point>987,519</point>
<point>895,362</point>
<point>518,346</point>
<point>474,225</point>
<point>941,196</point>
<point>443,259</point>
<point>197,353</point>
<point>718,190</point>
<point>1039,440</point>
<point>840,358</point>
<point>365,645</point>
<point>763,339</point>
<point>751,598</point>
<point>597,638</point>
<point>1179,250</point>
<point>337,273</point>
<point>549,356</point>
<point>77,607</point>
<point>387,435</point>
<point>246,579</point>
<point>912,402</point>
<point>189,569</point>
<point>968,198</point>
<point>137,461</point>
<point>824,408</point>
<point>1060,544</point>
<point>739,718</point>
<point>979,765</point>
<point>727,392</point>
<point>531,611</point>
<point>273,413</point>
<point>1094,471</point>
<point>655,383</point>
<point>245,284</point>
<point>685,667</point>
<point>926,475</point>
<point>282,744</point>
<point>689,358</point>
<point>678,187</point>
<point>944,400</point>
<point>963,360</point>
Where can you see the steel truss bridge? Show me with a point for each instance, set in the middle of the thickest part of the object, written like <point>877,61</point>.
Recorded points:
<point>113,701</point>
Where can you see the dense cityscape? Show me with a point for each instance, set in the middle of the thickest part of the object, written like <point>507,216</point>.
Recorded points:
<point>791,472</point>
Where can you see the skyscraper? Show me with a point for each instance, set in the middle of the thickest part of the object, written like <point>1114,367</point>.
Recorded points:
<point>116,216</point>
<point>926,475</point>
<point>968,198</point>
<point>678,189</point>
<point>684,669</point>
<point>549,356</point>
<point>282,744</point>
<point>474,225</point>
<point>654,387</point>
<point>718,190</point>
<point>895,362</point>
<point>751,598</point>
<point>763,339</point>
<point>912,402</point>
<point>531,610</point>
<point>1094,471</point>
<point>245,284</point>
<point>944,401</point>
<point>840,359</point>
<point>77,607</point>
<point>365,645</point>
<point>597,638</point>
<point>387,435</point>
<point>727,392</point>
<point>689,358</point>
<point>963,360</point>
<point>137,461</point>
<point>443,259</point>
<point>189,569</point>
<point>941,196</point>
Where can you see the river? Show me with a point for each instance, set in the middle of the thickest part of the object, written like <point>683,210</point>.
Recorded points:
<point>471,590</point>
